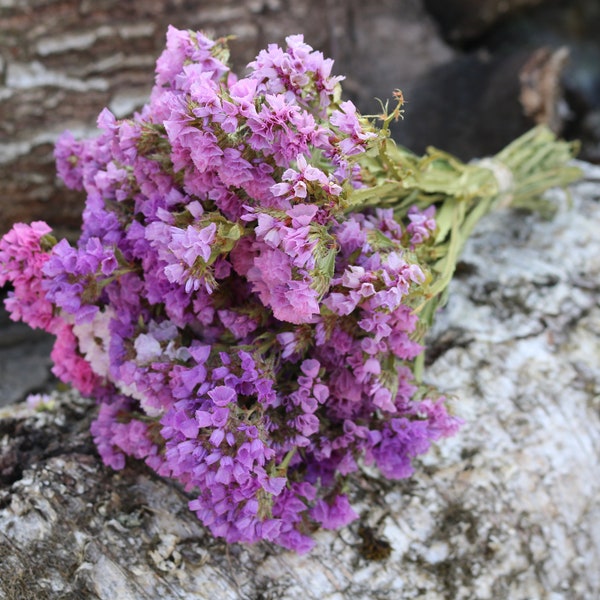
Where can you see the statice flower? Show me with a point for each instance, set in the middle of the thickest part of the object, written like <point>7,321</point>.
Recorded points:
<point>422,224</point>
<point>248,328</point>
<point>191,249</point>
<point>21,262</point>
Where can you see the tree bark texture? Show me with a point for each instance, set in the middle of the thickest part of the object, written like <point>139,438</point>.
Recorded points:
<point>63,61</point>
<point>509,508</point>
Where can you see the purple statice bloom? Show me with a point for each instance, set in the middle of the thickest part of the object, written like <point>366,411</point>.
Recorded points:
<point>358,285</point>
<point>72,276</point>
<point>133,438</point>
<point>351,235</point>
<point>385,221</point>
<point>222,395</point>
<point>103,427</point>
<point>99,220</point>
<point>62,283</point>
<point>185,47</point>
<point>259,188</point>
<point>188,381</point>
<point>202,90</point>
<point>112,183</point>
<point>294,240</point>
<point>403,438</point>
<point>325,83</point>
<point>68,156</point>
<point>191,147</point>
<point>150,384</point>
<point>181,421</point>
<point>192,243</point>
<point>298,71</point>
<point>243,94</point>
<point>346,120</point>
<point>422,224</point>
<point>297,304</point>
<point>333,515</point>
<point>295,183</point>
<point>273,69</point>
<point>440,422</point>
<point>229,472</point>
<point>289,345</point>
<point>78,162</point>
<point>272,132</point>
<point>382,398</point>
<point>228,201</point>
<point>208,101</point>
<point>269,273</point>
<point>240,325</point>
<point>96,258</point>
<point>189,247</point>
<point>234,169</point>
<point>289,508</point>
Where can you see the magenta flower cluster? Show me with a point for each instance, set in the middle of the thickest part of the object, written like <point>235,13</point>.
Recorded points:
<point>244,332</point>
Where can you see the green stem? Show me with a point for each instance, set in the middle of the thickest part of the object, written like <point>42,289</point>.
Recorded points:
<point>281,469</point>
<point>462,194</point>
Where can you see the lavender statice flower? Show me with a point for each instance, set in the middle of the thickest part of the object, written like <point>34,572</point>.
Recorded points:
<point>73,278</point>
<point>422,224</point>
<point>191,249</point>
<point>297,71</point>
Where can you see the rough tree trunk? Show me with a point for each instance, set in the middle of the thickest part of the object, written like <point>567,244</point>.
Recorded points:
<point>63,61</point>
<point>509,508</point>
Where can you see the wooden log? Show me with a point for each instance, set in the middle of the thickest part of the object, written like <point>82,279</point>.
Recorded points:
<point>509,508</point>
<point>63,61</point>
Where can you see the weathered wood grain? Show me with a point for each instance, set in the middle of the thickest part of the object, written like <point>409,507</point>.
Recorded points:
<point>509,508</point>
<point>63,61</point>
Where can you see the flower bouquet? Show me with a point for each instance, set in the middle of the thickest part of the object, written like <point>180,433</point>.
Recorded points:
<point>257,269</point>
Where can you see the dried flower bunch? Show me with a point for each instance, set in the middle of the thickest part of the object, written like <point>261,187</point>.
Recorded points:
<point>257,267</point>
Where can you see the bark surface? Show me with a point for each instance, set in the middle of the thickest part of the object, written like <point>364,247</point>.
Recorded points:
<point>509,508</point>
<point>63,61</point>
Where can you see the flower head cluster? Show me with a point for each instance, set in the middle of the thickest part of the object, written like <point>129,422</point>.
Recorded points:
<point>243,332</point>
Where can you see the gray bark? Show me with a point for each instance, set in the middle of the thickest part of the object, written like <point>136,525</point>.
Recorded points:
<point>509,508</point>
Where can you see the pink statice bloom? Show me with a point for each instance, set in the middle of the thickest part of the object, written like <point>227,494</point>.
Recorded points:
<point>22,261</point>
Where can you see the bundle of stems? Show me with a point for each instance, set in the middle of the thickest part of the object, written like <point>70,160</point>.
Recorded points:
<point>462,193</point>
